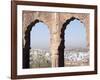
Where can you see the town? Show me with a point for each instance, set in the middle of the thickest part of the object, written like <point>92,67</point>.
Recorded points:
<point>75,57</point>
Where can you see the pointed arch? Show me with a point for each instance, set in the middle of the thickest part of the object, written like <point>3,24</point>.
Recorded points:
<point>26,49</point>
<point>62,43</point>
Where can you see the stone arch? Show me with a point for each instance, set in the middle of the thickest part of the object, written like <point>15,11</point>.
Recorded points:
<point>54,22</point>
<point>82,17</point>
<point>26,49</point>
<point>50,19</point>
<point>62,43</point>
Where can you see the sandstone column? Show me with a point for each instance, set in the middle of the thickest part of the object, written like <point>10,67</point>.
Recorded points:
<point>55,40</point>
<point>87,31</point>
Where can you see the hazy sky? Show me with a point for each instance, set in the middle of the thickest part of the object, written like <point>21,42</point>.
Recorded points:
<point>40,36</point>
<point>75,36</point>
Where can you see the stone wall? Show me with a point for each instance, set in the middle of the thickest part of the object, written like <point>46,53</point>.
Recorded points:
<point>55,22</point>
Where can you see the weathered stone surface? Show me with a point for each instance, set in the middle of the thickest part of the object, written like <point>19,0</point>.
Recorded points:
<point>55,22</point>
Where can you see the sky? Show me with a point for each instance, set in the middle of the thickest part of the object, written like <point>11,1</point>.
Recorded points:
<point>40,36</point>
<point>75,36</point>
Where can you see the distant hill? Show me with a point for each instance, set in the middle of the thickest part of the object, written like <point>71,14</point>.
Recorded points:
<point>78,49</point>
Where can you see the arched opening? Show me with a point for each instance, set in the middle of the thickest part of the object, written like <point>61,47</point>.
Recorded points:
<point>39,43</point>
<point>63,43</point>
<point>33,40</point>
<point>62,46</point>
<point>75,52</point>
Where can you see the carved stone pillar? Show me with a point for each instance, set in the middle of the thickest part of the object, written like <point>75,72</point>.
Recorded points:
<point>87,31</point>
<point>55,40</point>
